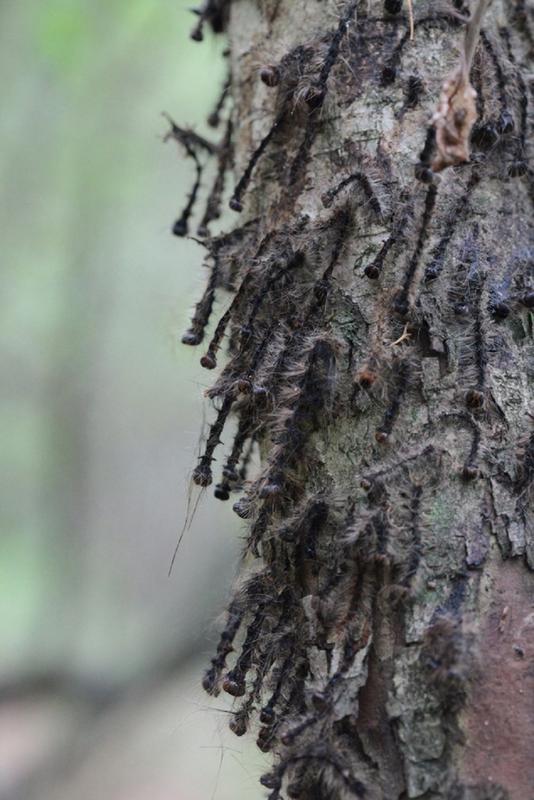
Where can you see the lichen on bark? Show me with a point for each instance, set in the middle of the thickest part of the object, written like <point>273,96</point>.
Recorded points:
<point>379,355</point>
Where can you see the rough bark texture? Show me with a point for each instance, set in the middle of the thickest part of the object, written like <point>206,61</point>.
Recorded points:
<point>380,355</point>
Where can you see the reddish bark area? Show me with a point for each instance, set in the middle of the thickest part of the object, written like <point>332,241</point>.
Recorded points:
<point>500,716</point>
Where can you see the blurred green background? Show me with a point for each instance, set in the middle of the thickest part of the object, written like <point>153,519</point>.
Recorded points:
<point>100,415</point>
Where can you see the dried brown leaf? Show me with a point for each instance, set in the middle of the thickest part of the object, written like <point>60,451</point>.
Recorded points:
<point>453,121</point>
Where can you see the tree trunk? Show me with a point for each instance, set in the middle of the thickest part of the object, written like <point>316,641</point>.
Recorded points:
<point>380,357</point>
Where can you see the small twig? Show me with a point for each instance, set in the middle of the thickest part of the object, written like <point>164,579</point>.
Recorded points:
<point>405,335</point>
<point>186,137</point>
<point>472,32</point>
<point>410,16</point>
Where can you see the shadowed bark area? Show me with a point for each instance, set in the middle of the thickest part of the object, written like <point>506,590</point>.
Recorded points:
<point>379,355</point>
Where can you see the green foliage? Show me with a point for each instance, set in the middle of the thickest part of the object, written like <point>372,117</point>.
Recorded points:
<point>63,34</point>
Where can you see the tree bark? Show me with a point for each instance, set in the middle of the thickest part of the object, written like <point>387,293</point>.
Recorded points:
<point>380,356</point>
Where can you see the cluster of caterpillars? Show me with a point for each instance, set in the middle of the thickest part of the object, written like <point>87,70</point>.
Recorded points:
<point>325,562</point>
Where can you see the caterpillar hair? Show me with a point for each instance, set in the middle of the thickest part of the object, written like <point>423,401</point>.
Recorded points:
<point>202,474</point>
<point>401,304</point>
<point>392,411</point>
<point>423,170</point>
<point>215,116</point>
<point>320,92</point>
<point>212,12</point>
<point>201,316</point>
<point>364,182</point>
<point>374,269</point>
<point>389,71</point>
<point>213,203</point>
<point>236,203</point>
<point>437,257</point>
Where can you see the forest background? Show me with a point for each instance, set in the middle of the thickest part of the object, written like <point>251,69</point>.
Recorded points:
<point>100,409</point>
